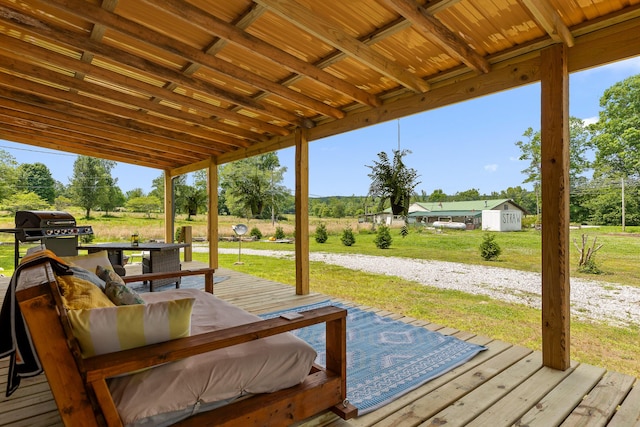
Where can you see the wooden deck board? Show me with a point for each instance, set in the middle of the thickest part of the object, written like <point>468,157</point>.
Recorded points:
<point>501,386</point>
<point>596,407</point>
<point>629,412</point>
<point>480,388</point>
<point>510,408</point>
<point>553,408</point>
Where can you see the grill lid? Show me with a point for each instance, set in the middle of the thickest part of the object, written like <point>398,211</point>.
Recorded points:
<point>43,219</point>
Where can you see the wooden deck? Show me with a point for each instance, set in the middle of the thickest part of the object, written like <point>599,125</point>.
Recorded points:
<point>505,385</point>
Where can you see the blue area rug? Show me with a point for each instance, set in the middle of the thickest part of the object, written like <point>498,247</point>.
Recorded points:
<point>386,358</point>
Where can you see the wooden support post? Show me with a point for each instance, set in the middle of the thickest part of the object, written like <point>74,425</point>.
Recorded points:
<point>555,207</point>
<point>212,217</point>
<point>168,207</point>
<point>302,212</point>
<point>186,236</point>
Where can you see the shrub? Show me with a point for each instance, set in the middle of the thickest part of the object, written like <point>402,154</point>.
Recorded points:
<point>590,267</point>
<point>348,238</point>
<point>321,233</point>
<point>489,248</point>
<point>280,233</point>
<point>404,231</point>
<point>383,237</point>
<point>255,232</point>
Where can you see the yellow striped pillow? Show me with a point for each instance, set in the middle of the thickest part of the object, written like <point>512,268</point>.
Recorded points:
<point>110,329</point>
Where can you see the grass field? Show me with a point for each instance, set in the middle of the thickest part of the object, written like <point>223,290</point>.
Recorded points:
<point>595,343</point>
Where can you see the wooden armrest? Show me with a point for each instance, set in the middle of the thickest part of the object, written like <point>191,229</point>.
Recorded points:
<point>207,272</point>
<point>167,274</point>
<point>122,362</point>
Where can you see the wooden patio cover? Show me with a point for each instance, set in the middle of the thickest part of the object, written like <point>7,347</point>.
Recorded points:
<point>186,85</point>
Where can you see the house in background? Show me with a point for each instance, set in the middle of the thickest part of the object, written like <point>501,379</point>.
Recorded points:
<point>486,214</point>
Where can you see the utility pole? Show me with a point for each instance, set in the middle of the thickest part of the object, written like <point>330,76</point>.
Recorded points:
<point>622,187</point>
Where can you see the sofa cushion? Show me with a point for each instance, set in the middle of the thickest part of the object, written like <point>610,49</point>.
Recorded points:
<point>78,293</point>
<point>110,329</point>
<point>89,261</point>
<point>115,288</point>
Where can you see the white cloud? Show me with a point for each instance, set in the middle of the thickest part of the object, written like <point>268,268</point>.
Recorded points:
<point>491,168</point>
<point>590,120</point>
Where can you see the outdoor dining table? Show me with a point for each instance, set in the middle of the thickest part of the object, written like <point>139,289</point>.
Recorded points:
<point>163,257</point>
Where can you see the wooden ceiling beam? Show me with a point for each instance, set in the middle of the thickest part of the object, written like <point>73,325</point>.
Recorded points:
<point>119,103</point>
<point>63,143</point>
<point>24,49</point>
<point>333,35</point>
<point>68,103</point>
<point>439,6</point>
<point>59,109</point>
<point>254,45</point>
<point>548,18</point>
<point>435,31</point>
<point>105,19</point>
<point>120,137</point>
<point>40,30</point>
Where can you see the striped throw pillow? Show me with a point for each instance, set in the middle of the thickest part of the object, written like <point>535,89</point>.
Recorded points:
<point>110,329</point>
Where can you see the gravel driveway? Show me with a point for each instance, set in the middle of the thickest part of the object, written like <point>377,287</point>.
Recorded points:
<point>612,303</point>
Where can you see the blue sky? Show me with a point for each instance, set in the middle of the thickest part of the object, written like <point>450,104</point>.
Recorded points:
<point>455,148</point>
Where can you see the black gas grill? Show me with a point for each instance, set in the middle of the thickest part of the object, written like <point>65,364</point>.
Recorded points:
<point>38,225</point>
<point>57,231</point>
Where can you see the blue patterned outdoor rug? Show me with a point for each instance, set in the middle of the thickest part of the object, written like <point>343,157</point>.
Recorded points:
<point>386,358</point>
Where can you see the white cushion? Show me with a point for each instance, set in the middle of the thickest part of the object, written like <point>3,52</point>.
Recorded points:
<point>90,261</point>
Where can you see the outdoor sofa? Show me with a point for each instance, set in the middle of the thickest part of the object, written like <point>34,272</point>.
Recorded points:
<point>215,365</point>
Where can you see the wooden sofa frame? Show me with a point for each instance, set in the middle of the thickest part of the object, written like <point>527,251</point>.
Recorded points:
<point>82,396</point>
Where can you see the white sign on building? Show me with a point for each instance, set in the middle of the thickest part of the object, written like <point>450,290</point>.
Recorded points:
<point>502,220</point>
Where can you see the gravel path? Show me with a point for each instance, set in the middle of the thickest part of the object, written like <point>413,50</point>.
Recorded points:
<point>613,303</point>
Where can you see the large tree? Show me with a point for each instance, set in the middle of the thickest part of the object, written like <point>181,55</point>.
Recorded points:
<point>616,135</point>
<point>393,181</point>
<point>112,196</point>
<point>37,178</point>
<point>8,174</point>
<point>530,149</point>
<point>252,186</point>
<point>90,181</point>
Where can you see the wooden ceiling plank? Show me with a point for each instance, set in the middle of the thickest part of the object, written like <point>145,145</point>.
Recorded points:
<point>549,19</point>
<point>94,120</point>
<point>435,31</point>
<point>339,39</point>
<point>42,30</point>
<point>106,19</point>
<point>72,104</point>
<point>117,136</point>
<point>80,67</point>
<point>252,44</point>
<point>369,39</point>
<point>118,98</point>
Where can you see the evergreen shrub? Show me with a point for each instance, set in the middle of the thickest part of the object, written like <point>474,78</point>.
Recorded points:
<point>383,237</point>
<point>489,248</point>
<point>348,239</point>
<point>321,233</point>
